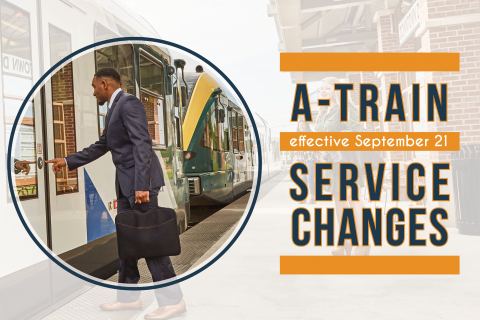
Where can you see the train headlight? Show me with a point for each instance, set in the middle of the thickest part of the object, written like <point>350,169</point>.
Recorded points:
<point>187,155</point>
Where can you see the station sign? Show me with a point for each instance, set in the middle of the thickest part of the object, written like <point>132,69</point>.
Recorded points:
<point>409,24</point>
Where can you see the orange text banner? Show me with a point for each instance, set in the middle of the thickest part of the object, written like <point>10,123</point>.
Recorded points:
<point>369,265</point>
<point>367,141</point>
<point>369,61</point>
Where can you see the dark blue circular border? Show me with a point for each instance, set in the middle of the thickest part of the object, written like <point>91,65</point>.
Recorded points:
<point>39,82</point>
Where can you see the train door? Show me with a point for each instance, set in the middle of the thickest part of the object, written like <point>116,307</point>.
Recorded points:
<point>28,160</point>
<point>20,56</point>
<point>246,152</point>
<point>234,131</point>
<point>241,148</point>
<point>228,156</point>
<point>238,140</point>
<point>176,126</point>
<point>180,180</point>
<point>249,152</point>
<point>178,118</point>
<point>152,95</point>
<point>66,188</point>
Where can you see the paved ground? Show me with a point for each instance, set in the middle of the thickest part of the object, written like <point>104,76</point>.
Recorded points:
<point>245,283</point>
<point>198,245</point>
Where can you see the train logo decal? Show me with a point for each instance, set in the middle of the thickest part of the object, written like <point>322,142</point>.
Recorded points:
<point>99,222</point>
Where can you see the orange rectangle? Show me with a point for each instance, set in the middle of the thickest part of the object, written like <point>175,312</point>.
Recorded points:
<point>368,141</point>
<point>369,61</point>
<point>370,265</point>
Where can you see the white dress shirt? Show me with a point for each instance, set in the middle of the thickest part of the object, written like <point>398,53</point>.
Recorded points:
<point>112,98</point>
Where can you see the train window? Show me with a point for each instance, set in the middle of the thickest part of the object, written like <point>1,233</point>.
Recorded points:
<point>205,140</point>
<point>177,128</point>
<point>64,126</point>
<point>151,75</point>
<point>251,144</point>
<point>225,125</point>
<point>15,37</point>
<point>155,108</point>
<point>151,82</point>
<point>121,59</point>
<point>248,140</point>
<point>104,33</point>
<point>212,127</point>
<point>211,136</point>
<point>124,29</point>
<point>241,140</point>
<point>215,136</point>
<point>233,121</point>
<point>25,155</point>
<point>17,79</point>
<point>226,144</point>
<point>218,132</point>
<point>60,44</point>
<point>191,80</point>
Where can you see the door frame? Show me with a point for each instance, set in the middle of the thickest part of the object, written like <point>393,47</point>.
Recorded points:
<point>48,216</point>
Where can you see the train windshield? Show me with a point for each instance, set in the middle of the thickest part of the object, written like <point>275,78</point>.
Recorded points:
<point>191,79</point>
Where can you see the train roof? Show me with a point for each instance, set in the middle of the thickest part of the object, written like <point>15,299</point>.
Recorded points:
<point>259,121</point>
<point>124,22</point>
<point>119,9</point>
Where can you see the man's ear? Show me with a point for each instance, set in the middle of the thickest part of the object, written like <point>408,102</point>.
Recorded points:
<point>104,84</point>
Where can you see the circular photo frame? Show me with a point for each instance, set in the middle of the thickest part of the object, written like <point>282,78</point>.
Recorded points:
<point>104,283</point>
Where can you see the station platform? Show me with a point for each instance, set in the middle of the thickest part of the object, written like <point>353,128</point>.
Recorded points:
<point>246,282</point>
<point>198,244</point>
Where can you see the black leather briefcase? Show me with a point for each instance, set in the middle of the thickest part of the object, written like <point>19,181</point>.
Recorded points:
<point>150,234</point>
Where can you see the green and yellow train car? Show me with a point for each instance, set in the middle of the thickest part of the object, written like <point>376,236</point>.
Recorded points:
<point>219,153</point>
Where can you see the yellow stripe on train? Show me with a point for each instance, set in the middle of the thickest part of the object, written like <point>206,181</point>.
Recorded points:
<point>203,90</point>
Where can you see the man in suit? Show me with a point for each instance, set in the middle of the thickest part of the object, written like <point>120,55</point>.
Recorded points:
<point>138,180</point>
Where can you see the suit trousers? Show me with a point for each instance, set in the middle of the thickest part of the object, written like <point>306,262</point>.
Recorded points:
<point>161,268</point>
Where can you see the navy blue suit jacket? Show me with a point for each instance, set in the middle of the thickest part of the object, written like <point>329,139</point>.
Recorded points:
<point>126,136</point>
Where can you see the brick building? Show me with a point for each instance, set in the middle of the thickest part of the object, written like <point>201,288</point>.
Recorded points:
<point>393,26</point>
